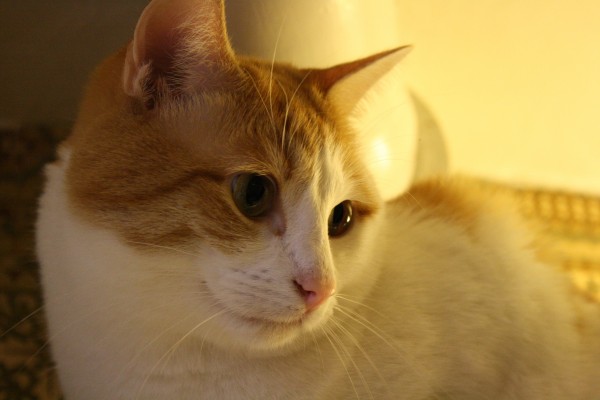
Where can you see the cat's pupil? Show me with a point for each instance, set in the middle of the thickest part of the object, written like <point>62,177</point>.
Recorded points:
<point>255,190</point>
<point>340,218</point>
<point>338,214</point>
<point>253,194</point>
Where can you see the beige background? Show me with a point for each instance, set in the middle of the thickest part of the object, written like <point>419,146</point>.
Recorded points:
<point>513,84</point>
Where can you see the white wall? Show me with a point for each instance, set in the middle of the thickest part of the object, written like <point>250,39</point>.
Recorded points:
<point>515,84</point>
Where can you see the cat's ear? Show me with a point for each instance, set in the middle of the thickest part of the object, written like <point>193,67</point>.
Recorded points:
<point>372,95</point>
<point>179,46</point>
<point>346,84</point>
<point>379,64</point>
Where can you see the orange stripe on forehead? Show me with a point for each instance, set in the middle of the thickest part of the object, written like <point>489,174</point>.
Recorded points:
<point>164,178</point>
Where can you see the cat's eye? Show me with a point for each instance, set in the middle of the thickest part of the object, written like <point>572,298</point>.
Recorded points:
<point>340,218</point>
<point>253,194</point>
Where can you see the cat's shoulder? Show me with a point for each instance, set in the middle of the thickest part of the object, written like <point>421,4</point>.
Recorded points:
<point>471,203</point>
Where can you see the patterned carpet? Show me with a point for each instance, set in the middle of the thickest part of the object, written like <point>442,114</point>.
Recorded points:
<point>571,224</point>
<point>25,367</point>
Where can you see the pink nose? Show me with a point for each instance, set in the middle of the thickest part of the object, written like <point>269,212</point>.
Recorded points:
<point>314,292</point>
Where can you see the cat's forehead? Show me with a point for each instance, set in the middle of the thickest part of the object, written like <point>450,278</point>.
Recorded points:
<point>274,123</point>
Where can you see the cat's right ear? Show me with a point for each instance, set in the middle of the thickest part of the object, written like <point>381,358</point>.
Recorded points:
<point>371,95</point>
<point>179,47</point>
<point>346,84</point>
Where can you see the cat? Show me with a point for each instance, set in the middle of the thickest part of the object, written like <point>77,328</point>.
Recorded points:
<point>210,231</point>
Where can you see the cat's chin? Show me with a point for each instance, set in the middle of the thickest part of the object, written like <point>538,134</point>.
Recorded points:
<point>263,335</point>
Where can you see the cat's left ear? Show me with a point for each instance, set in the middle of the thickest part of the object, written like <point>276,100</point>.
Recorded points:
<point>179,47</point>
<point>371,94</point>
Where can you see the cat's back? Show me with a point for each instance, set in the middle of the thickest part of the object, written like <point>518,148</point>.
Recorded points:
<point>461,266</point>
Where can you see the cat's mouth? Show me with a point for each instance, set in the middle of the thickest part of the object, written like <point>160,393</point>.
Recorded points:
<point>264,322</point>
<point>264,332</point>
<point>267,332</point>
<point>285,326</point>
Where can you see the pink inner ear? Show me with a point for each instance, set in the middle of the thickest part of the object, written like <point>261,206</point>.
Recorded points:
<point>175,42</point>
<point>326,78</point>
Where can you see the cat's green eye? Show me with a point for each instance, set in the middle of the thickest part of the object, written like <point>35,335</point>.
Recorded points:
<point>340,218</point>
<point>253,194</point>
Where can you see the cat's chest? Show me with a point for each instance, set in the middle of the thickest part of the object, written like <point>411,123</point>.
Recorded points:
<point>216,377</point>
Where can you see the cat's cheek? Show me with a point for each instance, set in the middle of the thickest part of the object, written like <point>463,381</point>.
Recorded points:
<point>246,326</point>
<point>354,256</point>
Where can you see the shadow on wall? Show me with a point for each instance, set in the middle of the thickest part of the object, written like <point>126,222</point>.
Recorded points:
<point>49,49</point>
<point>432,153</point>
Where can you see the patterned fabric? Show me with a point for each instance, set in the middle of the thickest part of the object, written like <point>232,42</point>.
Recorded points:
<point>26,370</point>
<point>570,224</point>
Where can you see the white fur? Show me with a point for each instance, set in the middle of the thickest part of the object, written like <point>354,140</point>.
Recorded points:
<point>422,312</point>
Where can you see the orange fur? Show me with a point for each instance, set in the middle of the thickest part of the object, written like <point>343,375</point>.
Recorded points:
<point>157,179</point>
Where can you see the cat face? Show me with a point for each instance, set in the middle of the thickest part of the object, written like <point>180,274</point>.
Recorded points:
<point>297,254</point>
<point>246,168</point>
<point>186,175</point>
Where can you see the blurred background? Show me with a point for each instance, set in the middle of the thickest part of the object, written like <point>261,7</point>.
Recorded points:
<point>507,91</point>
<point>514,85</point>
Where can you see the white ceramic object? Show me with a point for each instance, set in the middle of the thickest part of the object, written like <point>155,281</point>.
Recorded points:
<point>321,33</point>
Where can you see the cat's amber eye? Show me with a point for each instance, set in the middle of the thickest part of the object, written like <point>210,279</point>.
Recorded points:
<point>340,218</point>
<point>253,194</point>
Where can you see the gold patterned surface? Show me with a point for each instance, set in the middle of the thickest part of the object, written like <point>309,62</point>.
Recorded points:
<point>570,228</point>
<point>26,370</point>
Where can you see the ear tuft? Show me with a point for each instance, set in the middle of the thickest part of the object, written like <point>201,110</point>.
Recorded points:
<point>179,47</point>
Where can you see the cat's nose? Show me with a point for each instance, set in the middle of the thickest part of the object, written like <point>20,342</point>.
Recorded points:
<point>314,292</point>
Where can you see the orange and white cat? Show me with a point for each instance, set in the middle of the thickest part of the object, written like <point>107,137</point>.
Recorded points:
<point>210,231</point>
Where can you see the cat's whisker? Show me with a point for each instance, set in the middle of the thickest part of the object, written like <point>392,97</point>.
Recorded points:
<point>360,348</point>
<point>22,321</point>
<point>262,99</point>
<point>349,355</point>
<point>155,339</point>
<point>273,63</point>
<point>304,342</point>
<point>299,86</point>
<point>125,326</point>
<point>287,110</point>
<point>408,193</point>
<point>40,309</point>
<point>359,319</point>
<point>293,132</point>
<point>285,118</point>
<point>316,342</point>
<point>90,315</point>
<point>203,341</point>
<point>361,304</point>
<point>173,348</point>
<point>76,322</point>
<point>364,321</point>
<point>62,330</point>
<point>326,331</point>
